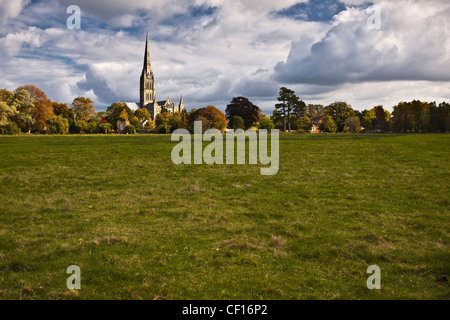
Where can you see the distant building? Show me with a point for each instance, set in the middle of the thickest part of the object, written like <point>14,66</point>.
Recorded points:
<point>148,92</point>
<point>315,122</point>
<point>121,126</point>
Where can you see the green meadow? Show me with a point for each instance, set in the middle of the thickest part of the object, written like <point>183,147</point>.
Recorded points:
<point>140,227</point>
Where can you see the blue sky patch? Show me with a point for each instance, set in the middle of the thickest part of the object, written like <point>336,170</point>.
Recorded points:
<point>313,10</point>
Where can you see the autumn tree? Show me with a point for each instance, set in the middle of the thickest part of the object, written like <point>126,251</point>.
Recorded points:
<point>42,110</point>
<point>244,108</point>
<point>210,116</point>
<point>83,108</point>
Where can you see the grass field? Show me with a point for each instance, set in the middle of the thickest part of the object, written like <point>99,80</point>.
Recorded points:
<point>140,227</point>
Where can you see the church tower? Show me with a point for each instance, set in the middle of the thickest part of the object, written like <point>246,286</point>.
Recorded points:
<point>147,84</point>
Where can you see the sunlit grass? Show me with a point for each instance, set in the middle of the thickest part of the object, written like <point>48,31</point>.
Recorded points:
<point>140,227</point>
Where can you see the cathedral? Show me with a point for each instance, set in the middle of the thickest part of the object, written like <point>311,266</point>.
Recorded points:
<point>148,92</point>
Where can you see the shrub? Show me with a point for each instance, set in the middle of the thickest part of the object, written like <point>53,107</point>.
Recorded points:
<point>328,125</point>
<point>105,127</point>
<point>238,123</point>
<point>266,124</point>
<point>135,122</point>
<point>161,129</point>
<point>58,125</point>
<point>150,125</point>
<point>305,123</point>
<point>130,129</point>
<point>81,126</point>
<point>11,128</point>
<point>352,124</point>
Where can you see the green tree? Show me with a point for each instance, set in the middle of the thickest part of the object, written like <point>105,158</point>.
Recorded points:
<point>129,129</point>
<point>149,125</point>
<point>58,125</point>
<point>305,123</point>
<point>6,114</point>
<point>105,127</point>
<point>23,103</point>
<point>368,119</point>
<point>102,114</point>
<point>382,118</point>
<point>439,117</point>
<point>411,117</point>
<point>92,126</point>
<point>81,126</point>
<point>62,109</point>
<point>266,124</point>
<point>352,124</point>
<point>174,122</point>
<point>277,119</point>
<point>115,112</point>
<point>11,129</point>
<point>289,102</point>
<point>238,123</point>
<point>135,122</point>
<point>300,109</point>
<point>142,115</point>
<point>339,111</point>
<point>83,108</point>
<point>243,108</point>
<point>162,119</point>
<point>328,125</point>
<point>315,110</point>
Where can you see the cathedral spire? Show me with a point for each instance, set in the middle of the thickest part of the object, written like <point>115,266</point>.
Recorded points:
<point>147,63</point>
<point>147,83</point>
<point>181,102</point>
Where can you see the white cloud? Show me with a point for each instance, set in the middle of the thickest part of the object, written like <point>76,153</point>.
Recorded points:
<point>11,9</point>
<point>212,58</point>
<point>413,44</point>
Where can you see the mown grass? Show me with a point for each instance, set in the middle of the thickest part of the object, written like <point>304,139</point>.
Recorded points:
<point>140,227</point>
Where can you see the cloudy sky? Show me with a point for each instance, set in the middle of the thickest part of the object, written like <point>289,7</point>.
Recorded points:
<point>213,50</point>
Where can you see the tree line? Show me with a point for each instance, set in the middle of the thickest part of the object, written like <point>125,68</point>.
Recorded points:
<point>27,109</point>
<point>291,113</point>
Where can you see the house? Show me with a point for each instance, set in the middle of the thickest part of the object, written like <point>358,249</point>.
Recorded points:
<point>121,126</point>
<point>315,124</point>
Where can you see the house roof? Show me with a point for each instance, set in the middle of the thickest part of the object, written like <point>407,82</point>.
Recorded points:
<point>318,118</point>
<point>133,105</point>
